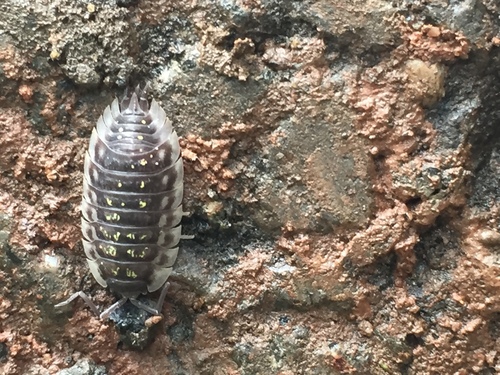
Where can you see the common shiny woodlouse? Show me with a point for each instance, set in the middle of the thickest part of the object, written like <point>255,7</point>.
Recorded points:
<point>132,201</point>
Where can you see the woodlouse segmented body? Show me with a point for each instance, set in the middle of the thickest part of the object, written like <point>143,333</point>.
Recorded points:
<point>132,198</point>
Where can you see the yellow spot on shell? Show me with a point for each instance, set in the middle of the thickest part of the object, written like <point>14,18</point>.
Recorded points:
<point>142,204</point>
<point>113,217</point>
<point>131,273</point>
<point>143,122</point>
<point>116,236</point>
<point>90,8</point>
<point>143,162</point>
<point>111,251</point>
<point>109,202</point>
<point>115,271</point>
<point>132,166</point>
<point>120,184</point>
<point>134,254</point>
<point>123,204</point>
<point>130,236</point>
<point>142,185</point>
<point>143,237</point>
<point>140,137</point>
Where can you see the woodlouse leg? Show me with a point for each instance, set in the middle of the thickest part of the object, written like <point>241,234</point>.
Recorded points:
<point>85,298</point>
<point>163,294</point>
<point>106,313</point>
<point>145,307</point>
<point>159,304</point>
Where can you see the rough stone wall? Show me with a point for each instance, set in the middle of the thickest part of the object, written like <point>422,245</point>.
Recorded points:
<point>341,162</point>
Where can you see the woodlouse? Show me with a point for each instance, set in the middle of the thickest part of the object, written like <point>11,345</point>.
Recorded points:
<point>132,201</point>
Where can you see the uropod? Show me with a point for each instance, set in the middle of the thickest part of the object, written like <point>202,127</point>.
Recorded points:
<point>132,201</point>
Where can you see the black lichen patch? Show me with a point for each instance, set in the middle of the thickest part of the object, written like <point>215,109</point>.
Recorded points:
<point>4,351</point>
<point>34,114</point>
<point>278,19</point>
<point>183,329</point>
<point>127,3</point>
<point>169,43</point>
<point>222,239</point>
<point>381,273</point>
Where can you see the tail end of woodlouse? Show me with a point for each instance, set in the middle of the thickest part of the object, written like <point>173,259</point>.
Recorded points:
<point>137,322</point>
<point>159,304</point>
<point>115,306</point>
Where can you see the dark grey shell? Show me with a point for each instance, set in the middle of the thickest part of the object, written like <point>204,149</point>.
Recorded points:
<point>132,197</point>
